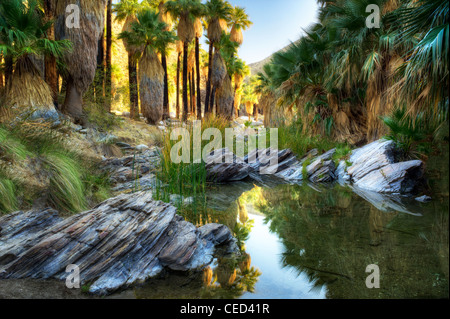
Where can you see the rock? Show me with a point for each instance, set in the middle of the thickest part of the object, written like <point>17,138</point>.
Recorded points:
<point>46,115</point>
<point>123,241</point>
<point>223,166</point>
<point>398,178</point>
<point>123,145</point>
<point>106,138</point>
<point>370,158</point>
<point>424,199</point>
<point>141,148</point>
<point>375,167</point>
<point>323,173</point>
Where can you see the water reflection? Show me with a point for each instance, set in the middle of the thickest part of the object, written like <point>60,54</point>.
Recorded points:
<point>310,241</point>
<point>332,236</point>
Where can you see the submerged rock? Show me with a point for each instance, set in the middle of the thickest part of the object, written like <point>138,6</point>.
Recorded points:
<point>125,240</point>
<point>424,199</point>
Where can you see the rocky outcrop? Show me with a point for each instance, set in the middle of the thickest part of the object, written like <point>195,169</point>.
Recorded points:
<point>123,241</point>
<point>223,166</point>
<point>374,167</point>
<point>133,172</point>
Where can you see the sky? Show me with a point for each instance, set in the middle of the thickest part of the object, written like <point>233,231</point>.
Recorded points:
<point>276,23</point>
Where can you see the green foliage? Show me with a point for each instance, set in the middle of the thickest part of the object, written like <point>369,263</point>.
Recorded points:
<point>293,137</point>
<point>8,199</point>
<point>66,186</point>
<point>342,153</point>
<point>100,118</point>
<point>412,134</point>
<point>242,232</point>
<point>71,181</point>
<point>23,31</point>
<point>340,61</point>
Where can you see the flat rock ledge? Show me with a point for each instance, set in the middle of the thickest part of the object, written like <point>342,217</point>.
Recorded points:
<point>373,168</point>
<point>123,241</point>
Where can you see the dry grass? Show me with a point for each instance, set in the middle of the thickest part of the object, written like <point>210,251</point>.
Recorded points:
<point>215,30</point>
<point>236,35</point>
<point>186,30</point>
<point>27,89</point>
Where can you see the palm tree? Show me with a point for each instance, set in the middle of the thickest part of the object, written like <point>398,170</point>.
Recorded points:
<point>164,17</point>
<point>198,33</point>
<point>217,14</point>
<point>239,70</point>
<point>81,62</point>
<point>425,76</point>
<point>187,11</point>
<point>221,76</point>
<point>148,31</point>
<point>51,72</point>
<point>108,57</point>
<point>372,51</point>
<point>179,47</point>
<point>23,33</point>
<point>126,11</point>
<point>249,98</point>
<point>239,21</point>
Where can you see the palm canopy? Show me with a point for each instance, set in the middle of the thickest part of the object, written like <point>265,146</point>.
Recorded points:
<point>187,11</point>
<point>150,32</point>
<point>216,12</point>
<point>23,31</point>
<point>239,21</point>
<point>125,9</point>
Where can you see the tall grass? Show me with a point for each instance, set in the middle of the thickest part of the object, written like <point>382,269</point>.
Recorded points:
<point>8,198</point>
<point>292,136</point>
<point>188,180</point>
<point>71,181</point>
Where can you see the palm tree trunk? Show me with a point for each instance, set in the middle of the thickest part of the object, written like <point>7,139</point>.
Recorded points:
<point>190,92</point>
<point>134,99</point>
<point>1,73</point>
<point>51,73</point>
<point>108,79</point>
<point>208,107</point>
<point>213,96</point>
<point>197,63</point>
<point>185,81</point>
<point>166,111</point>
<point>73,104</point>
<point>178,84</point>
<point>100,74</point>
<point>193,94</point>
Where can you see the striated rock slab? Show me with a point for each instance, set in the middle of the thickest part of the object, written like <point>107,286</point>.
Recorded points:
<point>400,178</point>
<point>223,166</point>
<point>375,167</point>
<point>125,240</point>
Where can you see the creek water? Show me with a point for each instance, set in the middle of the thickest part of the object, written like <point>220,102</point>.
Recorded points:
<point>316,241</point>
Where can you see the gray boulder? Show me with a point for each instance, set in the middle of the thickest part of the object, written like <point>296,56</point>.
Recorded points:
<point>123,241</point>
